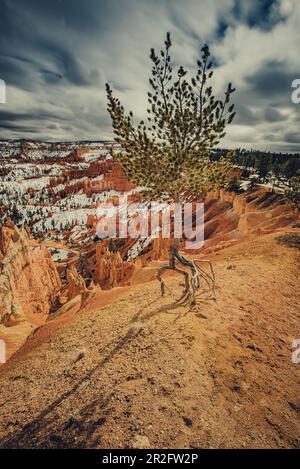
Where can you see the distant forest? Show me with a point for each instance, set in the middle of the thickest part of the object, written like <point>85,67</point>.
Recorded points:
<point>285,165</point>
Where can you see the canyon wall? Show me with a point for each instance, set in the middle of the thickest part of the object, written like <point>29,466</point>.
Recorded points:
<point>230,216</point>
<point>29,285</point>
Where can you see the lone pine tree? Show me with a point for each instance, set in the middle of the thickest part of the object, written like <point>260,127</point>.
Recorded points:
<point>169,155</point>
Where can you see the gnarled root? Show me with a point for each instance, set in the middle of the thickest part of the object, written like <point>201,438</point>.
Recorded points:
<point>192,277</point>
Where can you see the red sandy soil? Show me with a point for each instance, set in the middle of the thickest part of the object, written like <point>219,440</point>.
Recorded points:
<point>141,371</point>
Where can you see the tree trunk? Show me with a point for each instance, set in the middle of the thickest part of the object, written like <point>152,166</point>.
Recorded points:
<point>191,271</point>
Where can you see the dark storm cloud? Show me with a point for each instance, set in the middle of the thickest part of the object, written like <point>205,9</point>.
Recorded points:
<point>59,14</point>
<point>16,72</point>
<point>45,32</point>
<point>292,137</point>
<point>56,55</point>
<point>66,66</point>
<point>12,116</point>
<point>271,80</point>
<point>257,14</point>
<point>20,128</point>
<point>246,115</point>
<point>273,115</point>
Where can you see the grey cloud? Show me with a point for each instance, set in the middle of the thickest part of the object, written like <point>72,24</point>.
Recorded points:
<point>272,80</point>
<point>273,115</point>
<point>20,127</point>
<point>14,117</point>
<point>16,72</point>
<point>246,115</point>
<point>56,55</point>
<point>292,137</point>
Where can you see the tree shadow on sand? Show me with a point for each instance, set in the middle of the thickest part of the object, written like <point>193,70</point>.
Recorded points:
<point>44,431</point>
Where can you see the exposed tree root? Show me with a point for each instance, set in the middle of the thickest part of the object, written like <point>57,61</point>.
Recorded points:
<point>193,277</point>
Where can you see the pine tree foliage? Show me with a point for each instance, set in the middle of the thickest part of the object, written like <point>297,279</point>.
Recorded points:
<point>169,155</point>
<point>293,192</point>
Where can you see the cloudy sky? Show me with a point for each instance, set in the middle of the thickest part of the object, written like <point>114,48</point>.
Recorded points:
<point>56,55</point>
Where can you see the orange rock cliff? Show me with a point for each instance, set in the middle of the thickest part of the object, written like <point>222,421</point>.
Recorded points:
<point>29,285</point>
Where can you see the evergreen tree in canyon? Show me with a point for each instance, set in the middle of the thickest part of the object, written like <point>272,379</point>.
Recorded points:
<point>169,154</point>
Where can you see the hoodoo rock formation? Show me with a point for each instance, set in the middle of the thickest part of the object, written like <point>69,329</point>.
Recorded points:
<point>110,269</point>
<point>229,217</point>
<point>29,286</point>
<point>75,283</point>
<point>114,179</point>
